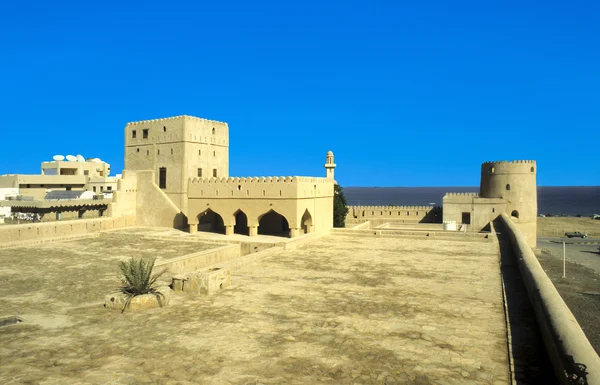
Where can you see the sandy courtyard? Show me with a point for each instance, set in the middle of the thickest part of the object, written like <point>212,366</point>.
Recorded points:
<point>340,310</point>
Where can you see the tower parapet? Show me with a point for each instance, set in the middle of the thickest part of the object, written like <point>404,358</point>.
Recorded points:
<point>515,182</point>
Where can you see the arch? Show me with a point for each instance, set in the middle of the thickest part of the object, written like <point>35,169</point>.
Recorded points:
<point>241,223</point>
<point>307,222</point>
<point>515,214</point>
<point>532,169</point>
<point>507,187</point>
<point>273,223</point>
<point>211,221</point>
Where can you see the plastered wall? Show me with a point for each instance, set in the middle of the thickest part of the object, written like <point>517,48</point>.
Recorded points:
<point>153,206</point>
<point>181,145</point>
<point>404,213</point>
<point>27,232</point>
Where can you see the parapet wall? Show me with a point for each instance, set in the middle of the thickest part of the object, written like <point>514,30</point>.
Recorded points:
<point>416,213</point>
<point>505,167</point>
<point>260,187</point>
<point>565,342</point>
<point>462,194</point>
<point>37,231</point>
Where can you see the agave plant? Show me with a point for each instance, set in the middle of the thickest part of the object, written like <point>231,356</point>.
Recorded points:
<point>138,279</point>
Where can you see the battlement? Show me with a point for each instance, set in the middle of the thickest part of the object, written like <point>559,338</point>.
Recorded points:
<point>256,179</point>
<point>390,208</point>
<point>411,214</point>
<point>509,162</point>
<point>271,187</point>
<point>461,194</point>
<point>171,119</point>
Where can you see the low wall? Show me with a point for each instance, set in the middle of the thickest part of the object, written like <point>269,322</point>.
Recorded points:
<point>201,259</point>
<point>415,234</point>
<point>566,344</point>
<point>15,234</point>
<point>405,214</point>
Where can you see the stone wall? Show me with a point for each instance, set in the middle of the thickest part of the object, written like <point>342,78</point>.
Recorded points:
<point>565,342</point>
<point>36,231</point>
<point>413,214</point>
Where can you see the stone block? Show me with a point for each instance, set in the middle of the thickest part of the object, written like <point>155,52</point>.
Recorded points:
<point>206,281</point>
<point>117,300</point>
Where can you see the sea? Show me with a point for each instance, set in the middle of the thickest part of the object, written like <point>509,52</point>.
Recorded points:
<point>552,200</point>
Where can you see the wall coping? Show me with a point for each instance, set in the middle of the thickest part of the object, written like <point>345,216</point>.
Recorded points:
<point>565,341</point>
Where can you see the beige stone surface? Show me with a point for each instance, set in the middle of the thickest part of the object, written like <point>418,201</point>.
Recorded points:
<point>342,310</point>
<point>117,300</point>
<point>208,281</point>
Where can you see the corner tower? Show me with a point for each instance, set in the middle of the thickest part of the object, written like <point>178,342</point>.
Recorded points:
<point>176,149</point>
<point>515,182</point>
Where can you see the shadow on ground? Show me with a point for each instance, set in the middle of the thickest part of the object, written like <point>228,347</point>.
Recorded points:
<point>531,362</point>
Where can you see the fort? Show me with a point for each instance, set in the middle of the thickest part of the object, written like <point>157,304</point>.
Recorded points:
<point>402,294</point>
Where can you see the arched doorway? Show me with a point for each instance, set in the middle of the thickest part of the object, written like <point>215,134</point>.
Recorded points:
<point>273,223</point>
<point>515,214</point>
<point>241,223</point>
<point>211,221</point>
<point>307,223</point>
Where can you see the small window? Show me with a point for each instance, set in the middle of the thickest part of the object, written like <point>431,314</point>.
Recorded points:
<point>145,133</point>
<point>28,186</point>
<point>162,178</point>
<point>493,170</point>
<point>493,210</point>
<point>86,172</point>
<point>157,152</point>
<point>508,187</point>
<point>532,169</point>
<point>147,152</point>
<point>199,152</point>
<point>41,185</point>
<point>214,172</point>
<point>164,128</point>
<point>101,188</point>
<point>214,154</point>
<point>94,188</point>
<point>239,187</point>
<point>213,131</point>
<point>171,151</point>
<point>199,172</point>
<point>108,188</point>
<point>264,192</point>
<point>133,134</point>
<point>137,150</point>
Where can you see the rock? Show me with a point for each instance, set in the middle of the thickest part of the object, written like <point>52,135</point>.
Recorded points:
<point>117,300</point>
<point>206,281</point>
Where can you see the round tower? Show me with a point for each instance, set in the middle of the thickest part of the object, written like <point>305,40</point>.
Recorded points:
<point>515,182</point>
<point>329,165</point>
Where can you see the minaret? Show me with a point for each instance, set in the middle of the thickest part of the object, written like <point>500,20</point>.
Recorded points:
<point>329,165</point>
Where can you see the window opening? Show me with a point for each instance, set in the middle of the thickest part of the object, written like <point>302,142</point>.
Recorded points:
<point>162,177</point>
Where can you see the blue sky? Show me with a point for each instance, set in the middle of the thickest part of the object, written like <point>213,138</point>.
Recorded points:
<point>412,93</point>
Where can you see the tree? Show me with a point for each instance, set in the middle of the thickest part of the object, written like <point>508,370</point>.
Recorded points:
<point>340,207</point>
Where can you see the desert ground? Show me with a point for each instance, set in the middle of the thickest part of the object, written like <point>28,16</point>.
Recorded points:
<point>558,226</point>
<point>340,310</point>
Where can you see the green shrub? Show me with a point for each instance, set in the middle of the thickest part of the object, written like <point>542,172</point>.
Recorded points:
<point>340,207</point>
<point>138,279</point>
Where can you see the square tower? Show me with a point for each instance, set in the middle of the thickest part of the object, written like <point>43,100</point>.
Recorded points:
<point>177,149</point>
